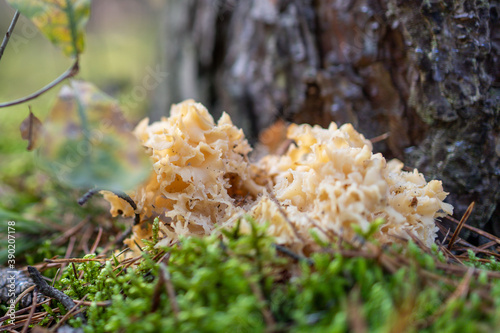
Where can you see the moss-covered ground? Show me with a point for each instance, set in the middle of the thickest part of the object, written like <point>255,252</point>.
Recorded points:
<point>245,283</point>
<point>223,283</point>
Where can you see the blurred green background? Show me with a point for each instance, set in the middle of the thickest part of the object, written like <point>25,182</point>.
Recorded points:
<point>121,45</point>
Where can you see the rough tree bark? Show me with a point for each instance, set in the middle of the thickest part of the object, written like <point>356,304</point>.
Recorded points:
<point>427,71</point>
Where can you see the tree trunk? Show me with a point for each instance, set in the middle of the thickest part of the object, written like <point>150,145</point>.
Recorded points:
<point>427,71</point>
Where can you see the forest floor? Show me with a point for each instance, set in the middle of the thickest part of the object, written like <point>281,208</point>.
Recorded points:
<point>241,283</point>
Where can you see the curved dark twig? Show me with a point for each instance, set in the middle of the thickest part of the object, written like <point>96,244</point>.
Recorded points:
<point>121,195</point>
<point>9,33</point>
<point>127,198</point>
<point>87,196</point>
<point>70,72</point>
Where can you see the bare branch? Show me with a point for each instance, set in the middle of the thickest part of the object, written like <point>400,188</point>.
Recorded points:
<point>50,291</point>
<point>9,33</point>
<point>70,72</point>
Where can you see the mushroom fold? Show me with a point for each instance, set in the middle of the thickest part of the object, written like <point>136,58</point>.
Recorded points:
<point>327,181</point>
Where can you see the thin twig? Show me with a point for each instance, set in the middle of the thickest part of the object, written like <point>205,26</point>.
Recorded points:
<point>89,303</point>
<point>463,287</point>
<point>160,255</point>
<point>126,262</point>
<point>460,225</point>
<point>19,312</point>
<point>70,232</point>
<point>71,246</point>
<point>122,252</point>
<point>24,293</point>
<point>9,33</point>
<point>71,260</point>
<point>283,213</point>
<point>266,312</point>
<point>85,238</point>
<point>165,276</point>
<point>74,310</point>
<point>460,270</point>
<point>32,312</point>
<point>70,72</point>
<point>446,236</point>
<point>476,230</point>
<point>355,317</point>
<point>460,291</point>
<point>449,254</point>
<point>50,291</point>
<point>137,244</point>
<point>155,304</point>
<point>37,317</point>
<point>97,240</point>
<point>129,263</point>
<point>74,271</point>
<point>380,137</point>
<point>293,255</point>
<point>419,242</point>
<point>487,245</point>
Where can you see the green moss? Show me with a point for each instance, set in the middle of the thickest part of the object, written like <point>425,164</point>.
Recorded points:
<point>239,282</point>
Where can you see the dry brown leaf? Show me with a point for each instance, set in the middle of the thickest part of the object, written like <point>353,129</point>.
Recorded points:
<point>31,129</point>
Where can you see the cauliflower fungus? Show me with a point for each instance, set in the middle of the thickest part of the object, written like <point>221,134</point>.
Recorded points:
<point>327,181</point>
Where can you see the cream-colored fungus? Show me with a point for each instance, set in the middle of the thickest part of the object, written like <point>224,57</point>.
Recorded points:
<point>326,181</point>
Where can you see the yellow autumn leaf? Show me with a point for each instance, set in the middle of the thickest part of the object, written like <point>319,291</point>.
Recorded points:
<point>61,21</point>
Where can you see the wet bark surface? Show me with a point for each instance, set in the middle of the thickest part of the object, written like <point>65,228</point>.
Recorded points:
<point>427,71</point>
